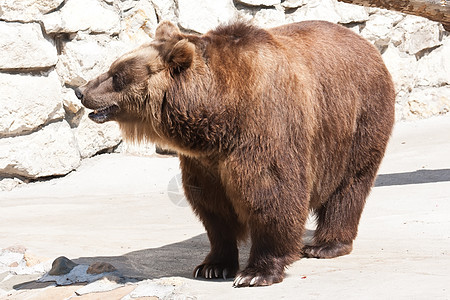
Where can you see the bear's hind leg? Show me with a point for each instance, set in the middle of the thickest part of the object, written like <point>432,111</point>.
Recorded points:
<point>338,217</point>
<point>208,200</point>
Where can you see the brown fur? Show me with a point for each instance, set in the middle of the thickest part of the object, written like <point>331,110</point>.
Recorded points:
<point>268,124</point>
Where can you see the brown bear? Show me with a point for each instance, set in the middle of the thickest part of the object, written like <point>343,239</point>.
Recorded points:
<point>269,124</point>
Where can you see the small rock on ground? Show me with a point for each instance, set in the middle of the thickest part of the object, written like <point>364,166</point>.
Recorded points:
<point>100,267</point>
<point>62,265</point>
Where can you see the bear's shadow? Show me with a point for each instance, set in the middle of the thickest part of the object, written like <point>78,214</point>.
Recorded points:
<point>177,259</point>
<point>172,260</point>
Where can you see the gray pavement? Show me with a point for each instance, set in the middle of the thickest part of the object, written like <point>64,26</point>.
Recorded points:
<point>129,211</point>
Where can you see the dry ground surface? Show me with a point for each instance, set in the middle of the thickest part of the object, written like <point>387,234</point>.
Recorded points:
<point>129,211</point>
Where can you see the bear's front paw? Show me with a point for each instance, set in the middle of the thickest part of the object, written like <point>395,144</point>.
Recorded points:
<point>212,271</point>
<point>252,277</point>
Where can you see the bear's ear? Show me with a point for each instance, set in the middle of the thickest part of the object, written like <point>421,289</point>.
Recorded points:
<point>166,31</point>
<point>181,55</point>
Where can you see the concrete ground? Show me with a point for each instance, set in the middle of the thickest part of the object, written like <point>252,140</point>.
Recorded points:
<point>129,211</point>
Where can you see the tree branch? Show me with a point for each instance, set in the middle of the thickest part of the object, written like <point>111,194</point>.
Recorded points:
<point>435,10</point>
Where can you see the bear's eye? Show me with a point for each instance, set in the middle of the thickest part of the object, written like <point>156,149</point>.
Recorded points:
<point>117,83</point>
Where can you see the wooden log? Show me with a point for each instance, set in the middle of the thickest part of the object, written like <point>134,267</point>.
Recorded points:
<point>435,10</point>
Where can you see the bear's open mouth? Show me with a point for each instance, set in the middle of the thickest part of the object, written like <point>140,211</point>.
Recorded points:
<point>104,114</point>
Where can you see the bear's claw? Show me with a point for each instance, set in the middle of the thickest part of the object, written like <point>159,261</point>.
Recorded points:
<point>251,278</point>
<point>243,281</point>
<point>212,271</point>
<point>327,250</point>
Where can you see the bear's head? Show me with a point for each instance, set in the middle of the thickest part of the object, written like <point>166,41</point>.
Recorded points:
<point>133,89</point>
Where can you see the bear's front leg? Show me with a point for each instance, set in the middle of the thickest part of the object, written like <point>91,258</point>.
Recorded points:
<point>265,265</point>
<point>207,197</point>
<point>275,202</point>
<point>274,246</point>
<point>222,261</point>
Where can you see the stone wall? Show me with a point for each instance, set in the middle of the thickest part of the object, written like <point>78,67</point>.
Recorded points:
<point>52,45</point>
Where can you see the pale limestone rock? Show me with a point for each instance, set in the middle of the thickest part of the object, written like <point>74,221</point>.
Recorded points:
<point>315,10</point>
<point>355,27</point>
<point>259,2</point>
<point>434,67</point>
<point>138,24</point>
<point>416,34</point>
<point>126,5</point>
<point>350,13</point>
<point>92,137</point>
<point>394,15</point>
<point>427,102</point>
<point>73,107</point>
<point>402,67</point>
<point>268,18</point>
<point>24,47</point>
<point>70,102</point>
<point>327,10</point>
<point>32,260</point>
<point>155,289</point>
<point>165,10</point>
<point>401,107</point>
<point>8,184</point>
<point>246,15</point>
<point>83,15</point>
<point>28,102</point>
<point>202,16</point>
<point>47,152</point>
<point>87,56</point>
<point>103,286</point>
<point>293,3</point>
<point>26,10</point>
<point>9,258</point>
<point>378,30</point>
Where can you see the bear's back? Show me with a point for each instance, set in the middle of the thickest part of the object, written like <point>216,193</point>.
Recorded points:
<point>316,84</point>
<point>345,69</point>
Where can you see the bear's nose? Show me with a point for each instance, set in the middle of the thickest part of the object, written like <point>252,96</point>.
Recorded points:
<point>78,93</point>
